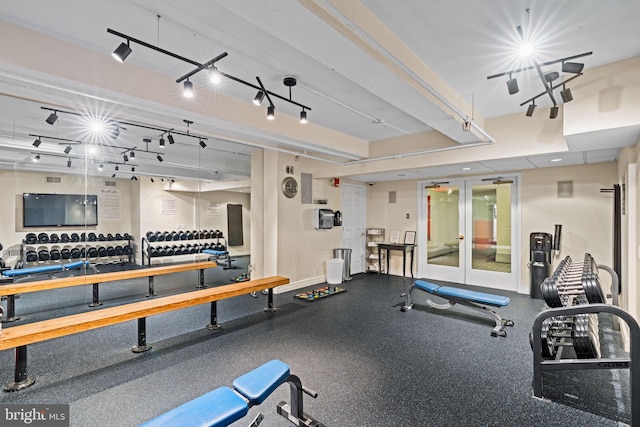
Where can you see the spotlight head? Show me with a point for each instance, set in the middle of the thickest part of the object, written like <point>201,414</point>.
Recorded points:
<point>202,144</point>
<point>572,67</point>
<point>121,52</point>
<point>161,142</point>
<point>133,178</point>
<point>101,167</point>
<point>214,75</point>
<point>161,179</point>
<point>67,149</point>
<point>188,89</point>
<point>115,133</point>
<point>113,176</point>
<point>37,142</point>
<point>271,112</point>
<point>159,157</point>
<point>530,109</point>
<point>36,158</point>
<point>512,85</point>
<point>133,168</point>
<point>303,117</point>
<point>132,155</point>
<point>566,95</point>
<point>52,118</point>
<point>152,179</point>
<point>257,100</point>
<point>125,157</point>
<point>170,138</point>
<point>553,112</point>
<point>173,180</point>
<point>117,167</point>
<point>69,162</point>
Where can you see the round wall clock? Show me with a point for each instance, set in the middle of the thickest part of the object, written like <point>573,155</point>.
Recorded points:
<point>289,187</point>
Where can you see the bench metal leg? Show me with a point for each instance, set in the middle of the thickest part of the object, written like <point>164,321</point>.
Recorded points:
<point>11,310</point>
<point>498,330</point>
<point>142,337</point>
<point>229,266</point>
<point>152,291</point>
<point>96,296</point>
<point>407,303</point>
<point>21,380</point>
<point>201,284</point>
<point>270,308</point>
<point>295,413</point>
<point>214,325</point>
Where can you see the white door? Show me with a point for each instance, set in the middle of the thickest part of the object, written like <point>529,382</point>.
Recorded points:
<point>467,230</point>
<point>354,219</point>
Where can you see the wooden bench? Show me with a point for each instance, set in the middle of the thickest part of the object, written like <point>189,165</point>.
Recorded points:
<point>13,289</point>
<point>20,336</point>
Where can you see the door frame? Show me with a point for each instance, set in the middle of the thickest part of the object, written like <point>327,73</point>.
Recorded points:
<point>362,221</point>
<point>516,257</point>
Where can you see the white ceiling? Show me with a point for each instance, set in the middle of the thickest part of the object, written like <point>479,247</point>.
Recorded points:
<point>351,80</point>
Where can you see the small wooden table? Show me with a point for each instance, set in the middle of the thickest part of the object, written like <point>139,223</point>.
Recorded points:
<point>404,247</point>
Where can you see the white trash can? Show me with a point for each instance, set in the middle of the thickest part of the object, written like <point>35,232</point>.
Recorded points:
<point>334,270</point>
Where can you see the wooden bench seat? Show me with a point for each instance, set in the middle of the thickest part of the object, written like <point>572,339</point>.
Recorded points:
<point>20,336</point>
<point>12,289</point>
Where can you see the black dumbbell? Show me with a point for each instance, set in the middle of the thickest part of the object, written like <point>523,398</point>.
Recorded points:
<point>175,236</point>
<point>153,252</point>
<point>101,237</point>
<point>31,238</point>
<point>109,237</point>
<point>119,250</point>
<point>32,256</point>
<point>91,237</point>
<point>111,251</point>
<point>75,237</point>
<point>168,250</point>
<point>92,252</point>
<point>118,236</point>
<point>127,250</point>
<point>64,238</point>
<point>65,253</point>
<point>159,236</point>
<point>43,255</point>
<point>102,251</point>
<point>54,254</point>
<point>54,238</point>
<point>151,236</point>
<point>75,253</point>
<point>43,238</point>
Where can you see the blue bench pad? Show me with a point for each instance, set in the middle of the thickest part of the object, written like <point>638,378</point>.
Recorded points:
<point>214,252</point>
<point>44,269</point>
<point>258,384</point>
<point>217,408</point>
<point>479,297</point>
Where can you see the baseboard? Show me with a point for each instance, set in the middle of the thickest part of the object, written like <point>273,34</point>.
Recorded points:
<point>300,284</point>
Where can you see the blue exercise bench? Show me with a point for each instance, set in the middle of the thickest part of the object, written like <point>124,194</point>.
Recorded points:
<point>20,274</point>
<point>475,300</point>
<point>226,405</point>
<point>217,255</point>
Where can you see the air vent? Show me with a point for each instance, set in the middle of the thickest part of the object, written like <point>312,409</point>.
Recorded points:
<point>565,189</point>
<point>392,196</point>
<point>54,180</point>
<point>306,188</point>
<point>110,183</point>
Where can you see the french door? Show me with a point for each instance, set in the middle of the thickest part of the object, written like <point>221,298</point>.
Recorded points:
<point>468,231</point>
<point>354,217</point>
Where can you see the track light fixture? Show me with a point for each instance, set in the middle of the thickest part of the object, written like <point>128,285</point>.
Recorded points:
<point>53,117</point>
<point>566,94</point>
<point>121,52</point>
<point>161,141</point>
<point>553,112</point>
<point>512,85</point>
<point>132,155</point>
<point>37,142</point>
<point>69,162</point>
<point>188,89</point>
<point>67,149</point>
<point>151,179</point>
<point>117,167</point>
<point>133,169</point>
<point>116,133</point>
<point>159,157</point>
<point>271,112</point>
<point>134,178</point>
<point>173,180</point>
<point>170,138</point>
<point>113,176</point>
<point>162,180</point>
<point>214,74</point>
<point>36,158</point>
<point>202,144</point>
<point>101,167</point>
<point>530,109</point>
<point>125,157</point>
<point>303,116</point>
<point>257,100</point>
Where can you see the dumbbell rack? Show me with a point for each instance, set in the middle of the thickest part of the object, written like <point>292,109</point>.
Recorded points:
<point>101,250</point>
<point>173,243</point>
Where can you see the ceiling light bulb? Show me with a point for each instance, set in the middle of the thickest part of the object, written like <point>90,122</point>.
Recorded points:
<point>556,160</point>
<point>101,167</point>
<point>258,98</point>
<point>214,76</point>
<point>36,158</point>
<point>96,126</point>
<point>303,117</point>
<point>37,142</point>
<point>271,112</point>
<point>92,149</point>
<point>52,118</point>
<point>121,52</point>
<point>525,50</point>
<point>188,89</point>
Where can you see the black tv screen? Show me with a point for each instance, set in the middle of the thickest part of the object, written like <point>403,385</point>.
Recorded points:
<point>59,210</point>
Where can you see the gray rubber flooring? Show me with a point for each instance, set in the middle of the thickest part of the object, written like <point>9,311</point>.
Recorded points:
<point>371,364</point>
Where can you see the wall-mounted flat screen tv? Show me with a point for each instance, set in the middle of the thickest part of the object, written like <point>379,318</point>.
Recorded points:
<point>59,210</point>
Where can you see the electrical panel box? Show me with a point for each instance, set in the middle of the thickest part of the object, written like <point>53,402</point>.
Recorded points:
<point>323,219</point>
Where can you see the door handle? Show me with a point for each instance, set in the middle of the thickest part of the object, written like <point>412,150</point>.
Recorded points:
<point>460,237</point>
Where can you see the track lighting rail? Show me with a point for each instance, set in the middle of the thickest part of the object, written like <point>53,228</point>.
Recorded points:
<point>544,64</point>
<point>556,86</point>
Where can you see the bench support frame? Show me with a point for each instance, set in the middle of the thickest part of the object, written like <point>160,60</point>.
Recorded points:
<point>295,413</point>
<point>214,325</point>
<point>20,378</point>
<point>497,331</point>
<point>96,296</point>
<point>142,337</point>
<point>11,310</point>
